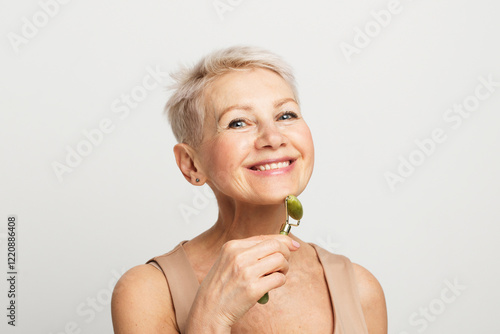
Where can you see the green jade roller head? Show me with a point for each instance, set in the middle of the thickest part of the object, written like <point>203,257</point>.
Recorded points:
<point>293,209</point>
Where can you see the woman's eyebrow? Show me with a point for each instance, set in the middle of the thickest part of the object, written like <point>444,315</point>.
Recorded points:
<point>235,106</point>
<point>245,107</point>
<point>279,103</point>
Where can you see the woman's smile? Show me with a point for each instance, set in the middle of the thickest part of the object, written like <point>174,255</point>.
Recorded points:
<point>272,167</point>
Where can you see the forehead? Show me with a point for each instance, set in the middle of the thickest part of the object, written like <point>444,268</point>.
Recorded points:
<point>249,86</point>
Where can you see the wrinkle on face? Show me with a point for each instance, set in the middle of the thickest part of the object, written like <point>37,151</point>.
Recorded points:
<point>259,96</point>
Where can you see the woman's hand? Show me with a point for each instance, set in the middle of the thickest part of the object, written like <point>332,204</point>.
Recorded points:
<point>245,270</point>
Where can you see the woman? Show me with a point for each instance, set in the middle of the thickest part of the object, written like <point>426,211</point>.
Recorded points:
<point>240,130</point>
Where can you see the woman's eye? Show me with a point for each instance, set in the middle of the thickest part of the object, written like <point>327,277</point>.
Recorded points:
<point>236,124</point>
<point>288,115</point>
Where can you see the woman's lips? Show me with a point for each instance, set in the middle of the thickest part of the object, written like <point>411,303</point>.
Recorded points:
<point>273,166</point>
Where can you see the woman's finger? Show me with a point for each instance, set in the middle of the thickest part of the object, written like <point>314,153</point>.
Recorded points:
<point>268,247</point>
<point>275,262</point>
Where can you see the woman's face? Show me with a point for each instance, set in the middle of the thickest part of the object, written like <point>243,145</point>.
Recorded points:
<point>256,146</point>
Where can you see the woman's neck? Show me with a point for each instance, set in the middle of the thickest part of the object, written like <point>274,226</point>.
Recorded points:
<point>242,220</point>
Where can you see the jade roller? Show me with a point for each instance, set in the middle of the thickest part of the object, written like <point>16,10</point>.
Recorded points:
<point>293,209</point>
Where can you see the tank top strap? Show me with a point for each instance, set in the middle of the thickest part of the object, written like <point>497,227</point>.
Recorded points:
<point>344,294</point>
<point>181,280</point>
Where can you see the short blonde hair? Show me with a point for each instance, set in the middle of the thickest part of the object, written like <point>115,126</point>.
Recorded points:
<point>185,108</point>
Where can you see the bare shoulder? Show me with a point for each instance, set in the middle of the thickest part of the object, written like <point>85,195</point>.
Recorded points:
<point>372,300</point>
<point>141,302</point>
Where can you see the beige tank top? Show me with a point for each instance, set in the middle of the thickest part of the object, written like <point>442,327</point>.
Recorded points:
<point>347,312</point>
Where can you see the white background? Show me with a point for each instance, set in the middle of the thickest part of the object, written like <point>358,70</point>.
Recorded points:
<point>122,204</point>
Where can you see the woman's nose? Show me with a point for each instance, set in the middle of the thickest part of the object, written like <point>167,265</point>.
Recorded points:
<point>270,136</point>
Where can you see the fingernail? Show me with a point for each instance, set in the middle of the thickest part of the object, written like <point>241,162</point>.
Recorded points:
<point>295,243</point>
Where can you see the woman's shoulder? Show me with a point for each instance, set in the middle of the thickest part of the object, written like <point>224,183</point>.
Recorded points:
<point>141,302</point>
<point>372,300</point>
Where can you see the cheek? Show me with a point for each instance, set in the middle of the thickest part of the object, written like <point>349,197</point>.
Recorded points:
<point>311,147</point>
<point>304,142</point>
<point>309,141</point>
<point>227,155</point>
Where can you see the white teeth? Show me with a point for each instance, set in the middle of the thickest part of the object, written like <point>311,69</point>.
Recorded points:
<point>273,166</point>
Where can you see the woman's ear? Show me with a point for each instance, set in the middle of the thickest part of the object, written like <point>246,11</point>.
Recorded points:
<point>185,157</point>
